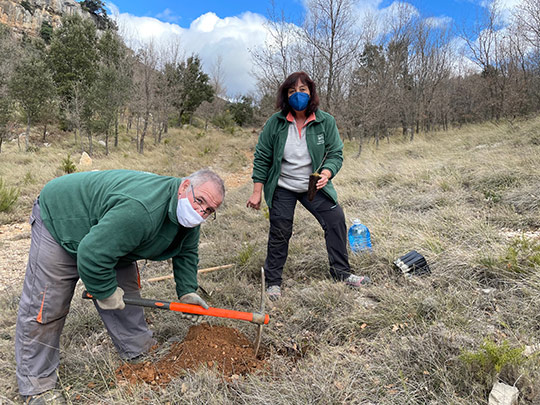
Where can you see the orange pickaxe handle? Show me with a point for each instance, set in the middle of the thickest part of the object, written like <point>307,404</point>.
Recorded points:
<point>195,309</point>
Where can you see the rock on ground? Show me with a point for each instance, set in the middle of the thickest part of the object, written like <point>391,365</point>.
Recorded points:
<point>503,394</point>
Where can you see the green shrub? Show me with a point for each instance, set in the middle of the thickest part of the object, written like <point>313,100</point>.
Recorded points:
<point>522,255</point>
<point>490,359</point>
<point>29,178</point>
<point>522,258</point>
<point>68,166</point>
<point>46,31</point>
<point>205,151</point>
<point>8,196</point>
<point>246,254</point>
<point>223,120</point>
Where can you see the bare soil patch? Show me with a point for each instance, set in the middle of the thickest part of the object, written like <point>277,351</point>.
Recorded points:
<point>224,349</point>
<point>14,247</point>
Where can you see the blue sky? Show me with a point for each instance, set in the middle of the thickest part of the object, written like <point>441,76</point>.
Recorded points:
<point>224,32</point>
<point>184,12</point>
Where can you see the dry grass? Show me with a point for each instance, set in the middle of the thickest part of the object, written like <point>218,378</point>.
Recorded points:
<point>455,197</point>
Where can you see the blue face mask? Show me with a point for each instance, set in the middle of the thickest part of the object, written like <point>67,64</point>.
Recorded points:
<point>299,101</point>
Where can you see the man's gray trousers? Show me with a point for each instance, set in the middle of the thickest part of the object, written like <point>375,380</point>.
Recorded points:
<point>51,276</point>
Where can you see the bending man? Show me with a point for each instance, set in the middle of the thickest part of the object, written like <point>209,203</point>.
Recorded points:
<point>95,226</point>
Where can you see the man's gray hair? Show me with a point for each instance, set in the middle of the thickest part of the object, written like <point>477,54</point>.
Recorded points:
<point>206,175</point>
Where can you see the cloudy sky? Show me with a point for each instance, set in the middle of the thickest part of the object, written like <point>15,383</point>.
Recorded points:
<point>228,30</point>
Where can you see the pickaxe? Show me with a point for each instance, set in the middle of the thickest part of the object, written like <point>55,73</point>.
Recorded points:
<point>258,318</point>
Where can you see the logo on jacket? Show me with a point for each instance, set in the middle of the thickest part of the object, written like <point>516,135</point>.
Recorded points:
<point>320,139</point>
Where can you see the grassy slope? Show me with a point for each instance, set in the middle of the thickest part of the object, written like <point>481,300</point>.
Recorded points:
<point>452,196</point>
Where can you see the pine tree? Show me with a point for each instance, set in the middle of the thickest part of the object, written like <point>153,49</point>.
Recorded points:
<point>33,88</point>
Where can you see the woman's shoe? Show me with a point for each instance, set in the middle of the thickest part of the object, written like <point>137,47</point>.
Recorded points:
<point>274,292</point>
<point>357,281</point>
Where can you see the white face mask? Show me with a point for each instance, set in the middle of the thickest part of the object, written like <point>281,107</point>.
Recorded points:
<point>187,215</point>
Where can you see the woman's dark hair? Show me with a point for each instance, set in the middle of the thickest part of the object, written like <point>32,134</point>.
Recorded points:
<point>282,102</point>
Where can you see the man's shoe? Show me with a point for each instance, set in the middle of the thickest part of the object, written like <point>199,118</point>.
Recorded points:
<point>141,358</point>
<point>357,281</point>
<point>274,292</point>
<point>51,397</point>
<point>148,355</point>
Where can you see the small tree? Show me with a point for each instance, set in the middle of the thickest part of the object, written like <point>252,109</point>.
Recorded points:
<point>113,84</point>
<point>46,31</point>
<point>73,55</point>
<point>191,86</point>
<point>32,87</point>
<point>242,111</point>
<point>7,47</point>
<point>97,9</point>
<point>73,60</point>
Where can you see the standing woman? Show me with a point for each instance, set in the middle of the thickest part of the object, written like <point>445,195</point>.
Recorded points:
<point>294,143</point>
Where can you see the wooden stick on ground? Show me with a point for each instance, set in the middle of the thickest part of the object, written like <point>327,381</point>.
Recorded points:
<point>207,270</point>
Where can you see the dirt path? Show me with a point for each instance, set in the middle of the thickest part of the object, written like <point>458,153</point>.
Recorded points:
<point>14,246</point>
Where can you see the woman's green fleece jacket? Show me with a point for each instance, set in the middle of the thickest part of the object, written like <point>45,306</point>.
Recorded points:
<point>322,139</point>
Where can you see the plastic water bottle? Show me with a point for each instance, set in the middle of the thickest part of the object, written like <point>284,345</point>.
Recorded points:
<point>359,237</point>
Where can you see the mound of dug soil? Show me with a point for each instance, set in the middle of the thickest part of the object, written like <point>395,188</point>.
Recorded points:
<point>225,349</point>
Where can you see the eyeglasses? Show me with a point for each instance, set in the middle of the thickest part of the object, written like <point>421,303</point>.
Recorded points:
<point>209,213</point>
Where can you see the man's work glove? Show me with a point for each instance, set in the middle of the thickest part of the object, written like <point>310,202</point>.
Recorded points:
<point>114,301</point>
<point>193,298</point>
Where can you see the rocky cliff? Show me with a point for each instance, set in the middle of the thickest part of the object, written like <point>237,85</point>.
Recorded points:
<point>26,16</point>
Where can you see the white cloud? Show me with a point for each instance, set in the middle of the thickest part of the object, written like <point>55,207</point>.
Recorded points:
<point>167,15</point>
<point>230,38</point>
<point>208,36</point>
<point>461,64</point>
<point>376,22</point>
<point>503,4</point>
<point>505,8</point>
<point>438,22</point>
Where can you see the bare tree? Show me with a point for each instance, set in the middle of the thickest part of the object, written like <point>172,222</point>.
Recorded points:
<point>217,77</point>
<point>330,31</point>
<point>217,106</point>
<point>145,85</point>
<point>429,66</point>
<point>279,56</point>
<point>171,54</point>
<point>527,29</point>
<point>527,16</point>
<point>484,44</point>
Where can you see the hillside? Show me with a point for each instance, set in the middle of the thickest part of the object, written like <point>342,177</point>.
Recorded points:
<point>27,16</point>
<point>466,199</point>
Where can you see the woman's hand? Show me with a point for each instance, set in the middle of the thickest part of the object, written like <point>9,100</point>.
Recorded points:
<point>254,201</point>
<point>325,176</point>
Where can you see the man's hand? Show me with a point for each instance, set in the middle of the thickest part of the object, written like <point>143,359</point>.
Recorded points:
<point>114,301</point>
<point>193,298</point>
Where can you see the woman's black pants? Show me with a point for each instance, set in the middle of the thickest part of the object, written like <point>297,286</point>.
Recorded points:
<point>329,215</point>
